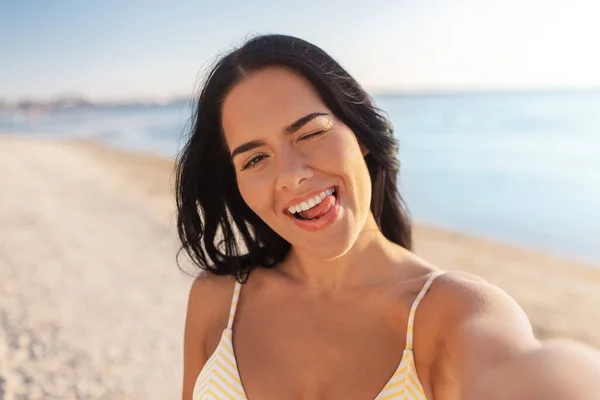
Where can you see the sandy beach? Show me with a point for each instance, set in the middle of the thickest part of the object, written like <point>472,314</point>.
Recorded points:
<point>92,303</point>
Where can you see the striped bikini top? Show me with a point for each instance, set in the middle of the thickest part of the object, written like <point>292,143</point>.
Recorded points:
<point>220,378</point>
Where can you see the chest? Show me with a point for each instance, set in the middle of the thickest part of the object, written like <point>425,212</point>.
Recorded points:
<point>338,350</point>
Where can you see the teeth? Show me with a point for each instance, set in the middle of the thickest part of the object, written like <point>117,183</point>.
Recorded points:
<point>310,203</point>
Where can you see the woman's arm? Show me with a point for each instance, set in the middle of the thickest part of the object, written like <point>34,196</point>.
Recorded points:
<point>496,355</point>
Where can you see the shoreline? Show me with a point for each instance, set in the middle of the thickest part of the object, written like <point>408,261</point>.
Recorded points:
<point>92,303</point>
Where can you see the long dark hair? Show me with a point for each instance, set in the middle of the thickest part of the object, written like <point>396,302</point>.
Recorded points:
<point>217,229</point>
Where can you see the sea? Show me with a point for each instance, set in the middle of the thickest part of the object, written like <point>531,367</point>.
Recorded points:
<point>521,168</point>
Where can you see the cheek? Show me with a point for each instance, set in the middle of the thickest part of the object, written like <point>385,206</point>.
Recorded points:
<point>352,165</point>
<point>345,155</point>
<point>339,152</point>
<point>247,193</point>
<point>254,194</point>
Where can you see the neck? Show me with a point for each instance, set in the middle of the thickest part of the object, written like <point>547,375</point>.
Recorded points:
<point>372,258</point>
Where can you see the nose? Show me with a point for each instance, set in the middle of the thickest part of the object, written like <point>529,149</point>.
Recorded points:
<point>292,171</point>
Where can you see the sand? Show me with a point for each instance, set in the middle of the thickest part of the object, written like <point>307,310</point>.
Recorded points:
<point>92,303</point>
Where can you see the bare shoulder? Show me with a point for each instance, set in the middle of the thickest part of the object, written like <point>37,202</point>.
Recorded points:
<point>207,313</point>
<point>465,295</point>
<point>479,324</point>
<point>210,284</point>
<point>209,300</point>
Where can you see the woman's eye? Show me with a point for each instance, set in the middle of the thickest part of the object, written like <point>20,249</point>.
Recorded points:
<point>254,161</point>
<point>312,136</point>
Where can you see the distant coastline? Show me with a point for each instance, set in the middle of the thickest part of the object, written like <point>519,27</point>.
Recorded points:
<point>74,102</point>
<point>81,103</point>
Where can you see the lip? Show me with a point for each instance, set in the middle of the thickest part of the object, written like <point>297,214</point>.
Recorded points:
<point>324,221</point>
<point>306,197</point>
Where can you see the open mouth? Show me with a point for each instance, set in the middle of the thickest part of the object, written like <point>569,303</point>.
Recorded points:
<point>316,207</point>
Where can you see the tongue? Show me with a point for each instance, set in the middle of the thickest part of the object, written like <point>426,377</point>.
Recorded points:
<point>320,209</point>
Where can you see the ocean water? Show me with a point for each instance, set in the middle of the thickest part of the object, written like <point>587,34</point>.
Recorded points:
<point>521,168</point>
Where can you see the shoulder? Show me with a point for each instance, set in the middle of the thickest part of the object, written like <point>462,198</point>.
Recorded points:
<point>466,296</point>
<point>209,284</point>
<point>456,296</point>
<point>208,307</point>
<point>210,297</point>
<point>479,324</point>
<point>207,313</point>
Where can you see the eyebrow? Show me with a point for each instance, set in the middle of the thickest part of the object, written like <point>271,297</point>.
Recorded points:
<point>288,130</point>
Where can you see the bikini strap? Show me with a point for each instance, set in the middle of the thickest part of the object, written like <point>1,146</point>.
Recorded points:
<point>234,301</point>
<point>413,309</point>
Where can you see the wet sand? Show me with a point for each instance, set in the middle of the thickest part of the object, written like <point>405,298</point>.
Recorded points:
<point>92,303</point>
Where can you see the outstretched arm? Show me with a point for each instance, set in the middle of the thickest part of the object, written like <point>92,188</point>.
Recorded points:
<point>497,357</point>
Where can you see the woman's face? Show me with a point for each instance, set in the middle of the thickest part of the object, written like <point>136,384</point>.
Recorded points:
<point>291,153</point>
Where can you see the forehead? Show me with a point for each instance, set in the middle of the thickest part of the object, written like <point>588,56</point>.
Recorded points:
<point>268,100</point>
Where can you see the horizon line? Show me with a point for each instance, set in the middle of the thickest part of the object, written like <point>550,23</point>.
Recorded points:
<point>157,100</point>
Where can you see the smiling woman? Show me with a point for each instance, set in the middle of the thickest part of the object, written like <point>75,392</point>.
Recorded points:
<point>287,190</point>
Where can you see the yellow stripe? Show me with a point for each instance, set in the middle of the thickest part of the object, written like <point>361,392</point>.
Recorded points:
<point>204,375</point>
<point>229,358</point>
<point>403,369</point>
<point>392,384</point>
<point>391,396</point>
<point>212,393</point>
<point>215,385</point>
<point>232,374</point>
<point>228,384</point>
<point>414,380</point>
<point>412,393</point>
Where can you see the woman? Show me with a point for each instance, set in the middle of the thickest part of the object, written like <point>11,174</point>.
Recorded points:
<point>287,196</point>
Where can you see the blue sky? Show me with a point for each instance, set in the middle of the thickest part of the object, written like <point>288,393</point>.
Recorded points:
<point>155,49</point>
